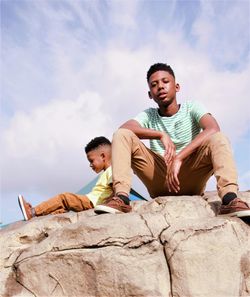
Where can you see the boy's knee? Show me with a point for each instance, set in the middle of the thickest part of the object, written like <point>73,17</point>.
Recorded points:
<point>65,194</point>
<point>123,133</point>
<point>218,138</point>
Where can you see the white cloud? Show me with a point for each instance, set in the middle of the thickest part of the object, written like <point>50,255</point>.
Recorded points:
<point>123,13</point>
<point>43,145</point>
<point>59,123</point>
<point>245,181</point>
<point>225,39</point>
<point>45,49</point>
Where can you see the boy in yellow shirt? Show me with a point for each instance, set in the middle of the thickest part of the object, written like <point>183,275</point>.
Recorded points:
<point>98,152</point>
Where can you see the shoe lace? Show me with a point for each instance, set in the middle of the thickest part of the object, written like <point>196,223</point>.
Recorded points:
<point>118,200</point>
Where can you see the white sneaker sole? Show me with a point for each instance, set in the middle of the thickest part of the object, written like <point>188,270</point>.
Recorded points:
<point>105,209</point>
<point>21,204</point>
<point>238,214</point>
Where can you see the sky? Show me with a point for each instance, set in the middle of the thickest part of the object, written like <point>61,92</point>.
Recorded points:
<point>76,69</point>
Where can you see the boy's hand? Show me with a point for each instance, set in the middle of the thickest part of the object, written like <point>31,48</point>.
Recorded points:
<point>172,175</point>
<point>169,148</point>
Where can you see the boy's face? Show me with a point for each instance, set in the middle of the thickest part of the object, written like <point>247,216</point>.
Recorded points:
<point>96,160</point>
<point>162,88</point>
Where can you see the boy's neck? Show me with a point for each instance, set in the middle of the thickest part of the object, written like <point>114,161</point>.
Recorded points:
<point>170,110</point>
<point>107,165</point>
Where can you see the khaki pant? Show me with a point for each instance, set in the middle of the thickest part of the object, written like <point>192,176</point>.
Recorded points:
<point>62,203</point>
<point>214,156</point>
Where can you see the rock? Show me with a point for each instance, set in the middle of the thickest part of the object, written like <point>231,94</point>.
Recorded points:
<point>170,246</point>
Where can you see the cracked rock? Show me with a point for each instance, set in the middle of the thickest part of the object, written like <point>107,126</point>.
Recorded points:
<point>170,246</point>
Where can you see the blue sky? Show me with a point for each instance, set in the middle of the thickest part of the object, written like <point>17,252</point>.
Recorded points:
<point>73,70</point>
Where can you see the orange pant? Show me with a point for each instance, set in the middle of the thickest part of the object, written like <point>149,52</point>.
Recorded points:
<point>62,203</point>
<point>214,156</point>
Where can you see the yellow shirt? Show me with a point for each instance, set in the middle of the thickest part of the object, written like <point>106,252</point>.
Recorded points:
<point>103,188</point>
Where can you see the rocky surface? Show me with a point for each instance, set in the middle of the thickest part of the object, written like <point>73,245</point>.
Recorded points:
<point>170,246</point>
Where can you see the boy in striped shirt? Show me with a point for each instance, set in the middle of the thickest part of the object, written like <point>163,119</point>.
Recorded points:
<point>186,148</point>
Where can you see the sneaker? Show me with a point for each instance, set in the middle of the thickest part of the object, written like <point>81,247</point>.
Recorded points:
<point>26,208</point>
<point>113,205</point>
<point>236,208</point>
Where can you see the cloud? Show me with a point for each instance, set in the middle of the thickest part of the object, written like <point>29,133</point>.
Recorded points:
<point>124,13</point>
<point>226,42</point>
<point>245,181</point>
<point>42,147</point>
<point>44,42</point>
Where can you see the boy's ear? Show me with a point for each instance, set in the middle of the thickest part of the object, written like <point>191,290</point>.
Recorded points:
<point>177,87</point>
<point>149,95</point>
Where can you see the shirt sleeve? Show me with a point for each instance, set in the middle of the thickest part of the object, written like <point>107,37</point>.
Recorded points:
<point>102,188</point>
<point>109,175</point>
<point>198,111</point>
<point>143,118</point>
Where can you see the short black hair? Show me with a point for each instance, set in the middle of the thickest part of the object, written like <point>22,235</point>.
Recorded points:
<point>96,142</point>
<point>159,67</point>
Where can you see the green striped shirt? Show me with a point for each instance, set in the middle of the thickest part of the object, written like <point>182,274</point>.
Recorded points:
<point>182,127</point>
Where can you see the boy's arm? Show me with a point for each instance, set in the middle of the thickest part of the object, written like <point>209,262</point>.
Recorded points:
<point>146,133</point>
<point>209,126</point>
